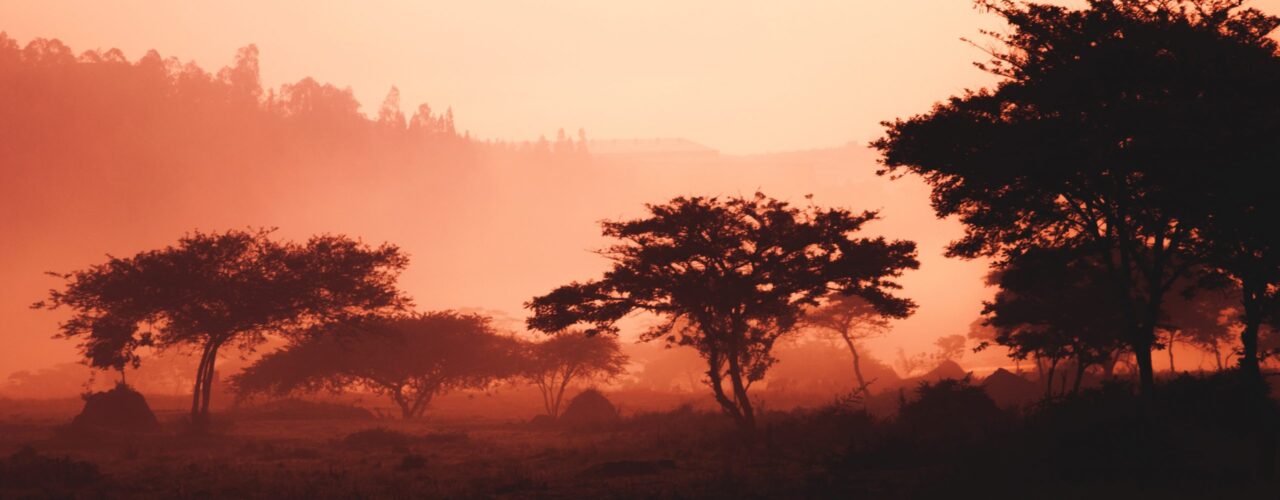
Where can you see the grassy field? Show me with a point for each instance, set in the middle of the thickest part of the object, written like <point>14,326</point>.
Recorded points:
<point>682,454</point>
<point>940,447</point>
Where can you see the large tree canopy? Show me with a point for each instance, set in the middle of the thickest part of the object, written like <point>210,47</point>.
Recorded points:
<point>1107,122</point>
<point>211,290</point>
<point>408,359</point>
<point>728,277</point>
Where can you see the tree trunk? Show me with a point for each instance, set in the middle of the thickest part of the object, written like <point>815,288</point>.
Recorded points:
<point>1141,334</point>
<point>397,395</point>
<point>547,406</point>
<point>421,402</point>
<point>716,380</point>
<point>1146,376</point>
<point>1249,349</point>
<point>209,378</point>
<point>1252,298</point>
<point>1141,337</point>
<point>195,389</point>
<point>199,421</point>
<point>1172,337</point>
<point>1048,387</point>
<point>559,397</point>
<point>748,419</point>
<point>1062,387</point>
<point>857,366</point>
<point>1081,366</point>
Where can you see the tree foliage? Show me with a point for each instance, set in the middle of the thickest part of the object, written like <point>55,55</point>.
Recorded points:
<point>408,359</point>
<point>1053,306</point>
<point>212,290</point>
<point>1106,121</point>
<point>728,277</point>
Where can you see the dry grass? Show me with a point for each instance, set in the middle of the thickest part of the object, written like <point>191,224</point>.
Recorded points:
<point>834,451</point>
<point>674,454</point>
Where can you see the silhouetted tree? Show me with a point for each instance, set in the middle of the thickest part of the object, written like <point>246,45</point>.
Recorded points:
<point>1106,122</point>
<point>729,277</point>
<point>950,347</point>
<point>1053,305</point>
<point>1204,318</point>
<point>1240,239</point>
<point>217,289</point>
<point>243,77</point>
<point>408,359</point>
<point>390,115</point>
<point>909,365</point>
<point>947,349</point>
<point>582,141</point>
<point>853,320</point>
<point>1269,340</point>
<point>569,356</point>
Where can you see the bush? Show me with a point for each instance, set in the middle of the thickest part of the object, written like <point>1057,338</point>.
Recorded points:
<point>28,469</point>
<point>951,412</point>
<point>377,437</point>
<point>412,461</point>
<point>816,434</point>
<point>1218,425</point>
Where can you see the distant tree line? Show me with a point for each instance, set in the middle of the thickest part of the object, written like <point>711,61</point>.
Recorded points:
<point>160,116</point>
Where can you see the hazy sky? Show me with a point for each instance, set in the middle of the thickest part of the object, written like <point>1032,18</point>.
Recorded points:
<point>739,76</point>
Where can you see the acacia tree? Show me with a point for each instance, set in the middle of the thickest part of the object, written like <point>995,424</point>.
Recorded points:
<point>408,359</point>
<point>570,356</point>
<point>728,277</point>
<point>1106,122</point>
<point>853,320</point>
<point>211,290</point>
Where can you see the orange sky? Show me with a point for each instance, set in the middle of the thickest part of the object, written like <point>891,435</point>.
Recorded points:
<point>739,76</point>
